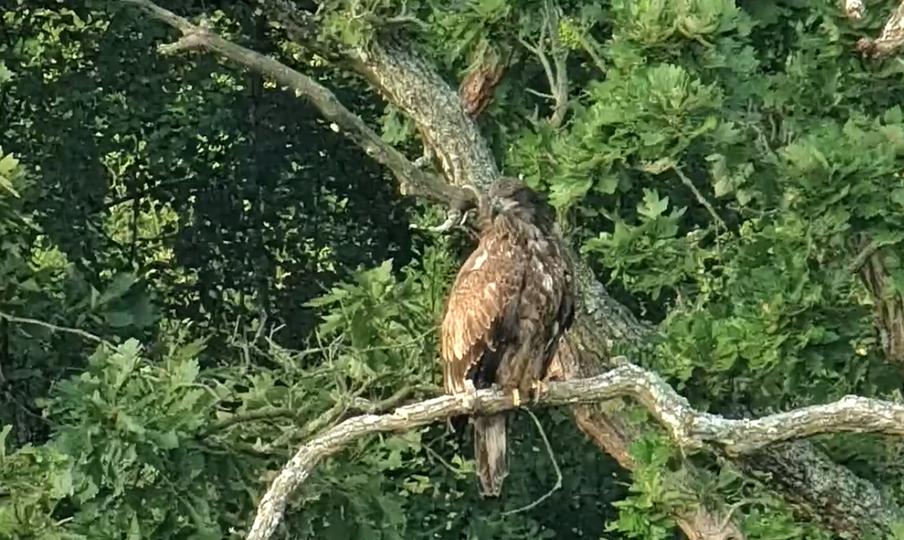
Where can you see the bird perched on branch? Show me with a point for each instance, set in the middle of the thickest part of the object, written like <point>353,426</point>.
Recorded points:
<point>511,302</point>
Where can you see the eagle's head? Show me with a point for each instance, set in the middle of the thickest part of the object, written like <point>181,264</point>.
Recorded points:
<point>514,197</point>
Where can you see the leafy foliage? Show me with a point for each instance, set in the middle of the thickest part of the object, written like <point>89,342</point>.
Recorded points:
<point>197,274</point>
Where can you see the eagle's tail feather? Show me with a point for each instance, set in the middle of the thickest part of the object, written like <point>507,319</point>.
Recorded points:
<point>490,453</point>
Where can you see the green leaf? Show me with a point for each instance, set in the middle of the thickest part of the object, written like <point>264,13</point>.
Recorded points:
<point>167,440</point>
<point>653,206</point>
<point>897,196</point>
<point>118,319</point>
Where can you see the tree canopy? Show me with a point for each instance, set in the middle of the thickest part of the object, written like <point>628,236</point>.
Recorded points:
<point>222,269</point>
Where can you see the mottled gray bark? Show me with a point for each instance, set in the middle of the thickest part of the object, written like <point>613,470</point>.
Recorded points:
<point>689,428</point>
<point>822,490</point>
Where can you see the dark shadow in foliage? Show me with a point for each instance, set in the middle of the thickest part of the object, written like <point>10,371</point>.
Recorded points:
<point>270,204</point>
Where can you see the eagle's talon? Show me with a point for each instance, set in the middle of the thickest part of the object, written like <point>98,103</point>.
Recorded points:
<point>464,218</point>
<point>538,388</point>
<point>469,397</point>
<point>516,398</point>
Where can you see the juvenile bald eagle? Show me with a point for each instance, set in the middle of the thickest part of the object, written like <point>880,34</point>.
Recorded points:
<point>511,302</point>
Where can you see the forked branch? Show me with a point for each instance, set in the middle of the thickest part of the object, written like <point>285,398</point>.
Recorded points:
<point>556,72</point>
<point>688,428</point>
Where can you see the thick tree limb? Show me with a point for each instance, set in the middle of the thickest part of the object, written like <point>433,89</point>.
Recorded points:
<point>687,427</point>
<point>412,84</point>
<point>820,489</point>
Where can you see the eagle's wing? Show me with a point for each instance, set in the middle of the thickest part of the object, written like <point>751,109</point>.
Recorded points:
<point>564,316</point>
<point>483,298</point>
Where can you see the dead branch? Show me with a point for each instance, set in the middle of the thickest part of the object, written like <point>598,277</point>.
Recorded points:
<point>52,327</point>
<point>689,428</point>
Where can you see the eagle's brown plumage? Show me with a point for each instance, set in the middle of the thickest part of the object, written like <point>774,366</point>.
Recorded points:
<point>511,301</point>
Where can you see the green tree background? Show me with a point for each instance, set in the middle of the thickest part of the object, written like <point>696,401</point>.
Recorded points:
<point>200,270</point>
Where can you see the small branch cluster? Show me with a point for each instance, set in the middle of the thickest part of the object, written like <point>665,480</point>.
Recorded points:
<point>556,72</point>
<point>688,428</point>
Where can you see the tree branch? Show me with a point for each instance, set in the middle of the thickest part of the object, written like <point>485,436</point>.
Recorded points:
<point>412,181</point>
<point>52,327</point>
<point>688,428</point>
<point>558,78</point>
<point>411,84</point>
<point>822,490</point>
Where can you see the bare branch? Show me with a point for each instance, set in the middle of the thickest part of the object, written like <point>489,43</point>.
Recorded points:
<point>412,180</point>
<point>688,428</point>
<point>700,198</point>
<point>52,327</point>
<point>558,77</point>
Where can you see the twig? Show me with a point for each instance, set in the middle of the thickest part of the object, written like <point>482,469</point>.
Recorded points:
<point>454,218</point>
<point>589,44</point>
<point>433,453</point>
<point>687,427</point>
<point>53,327</point>
<point>251,416</point>
<point>376,407</point>
<point>700,198</point>
<point>558,80</point>
<point>398,20</point>
<point>557,486</point>
<point>539,94</point>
